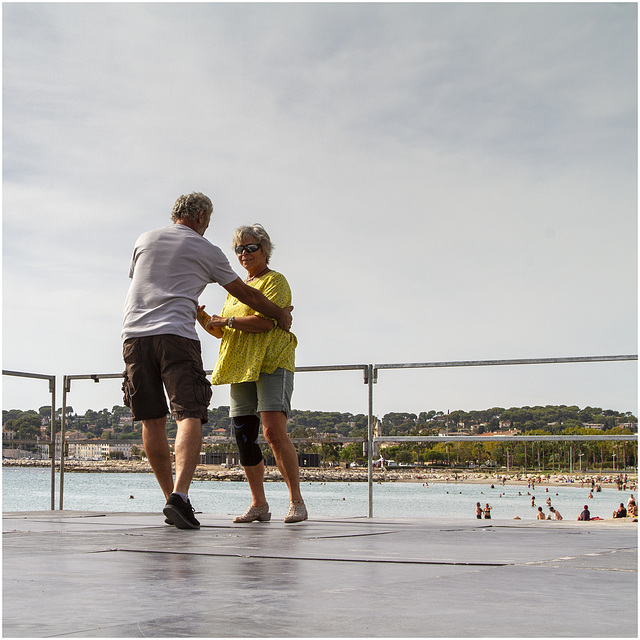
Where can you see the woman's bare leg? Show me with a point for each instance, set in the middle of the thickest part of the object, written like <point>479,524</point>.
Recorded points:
<point>255,477</point>
<point>274,425</point>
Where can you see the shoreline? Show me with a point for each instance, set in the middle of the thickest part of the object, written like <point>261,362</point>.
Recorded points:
<point>339,474</point>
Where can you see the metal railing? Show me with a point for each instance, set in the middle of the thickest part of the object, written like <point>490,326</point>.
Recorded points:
<point>373,378</point>
<point>51,443</point>
<point>370,375</point>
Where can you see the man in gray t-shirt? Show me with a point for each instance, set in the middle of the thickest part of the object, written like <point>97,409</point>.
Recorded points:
<point>169,270</point>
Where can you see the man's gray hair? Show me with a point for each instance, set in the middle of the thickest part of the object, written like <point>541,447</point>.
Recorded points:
<point>190,207</point>
<point>258,233</point>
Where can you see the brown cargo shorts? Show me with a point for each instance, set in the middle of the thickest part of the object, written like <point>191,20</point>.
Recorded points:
<point>155,364</point>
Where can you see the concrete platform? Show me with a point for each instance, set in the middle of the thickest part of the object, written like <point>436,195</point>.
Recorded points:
<point>90,574</point>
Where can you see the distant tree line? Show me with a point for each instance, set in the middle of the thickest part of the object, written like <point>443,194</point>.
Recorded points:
<point>112,425</point>
<point>117,423</point>
<point>553,419</point>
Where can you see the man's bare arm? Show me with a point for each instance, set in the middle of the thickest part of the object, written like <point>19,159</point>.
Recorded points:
<point>254,299</point>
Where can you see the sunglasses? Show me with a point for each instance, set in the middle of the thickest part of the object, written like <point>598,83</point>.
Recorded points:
<point>249,248</point>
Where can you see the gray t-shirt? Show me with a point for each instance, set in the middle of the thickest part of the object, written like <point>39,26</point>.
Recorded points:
<point>169,270</point>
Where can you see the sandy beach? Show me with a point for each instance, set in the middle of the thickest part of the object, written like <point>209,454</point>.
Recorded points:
<point>339,474</point>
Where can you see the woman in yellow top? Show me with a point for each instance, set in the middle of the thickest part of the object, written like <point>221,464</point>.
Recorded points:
<point>257,358</point>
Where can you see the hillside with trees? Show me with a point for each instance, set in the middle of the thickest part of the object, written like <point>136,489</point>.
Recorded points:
<point>116,424</point>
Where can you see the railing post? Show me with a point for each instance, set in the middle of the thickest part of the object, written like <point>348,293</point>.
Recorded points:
<point>52,445</point>
<point>66,386</point>
<point>370,381</point>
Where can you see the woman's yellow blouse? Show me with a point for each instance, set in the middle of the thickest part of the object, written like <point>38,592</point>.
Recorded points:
<point>244,356</point>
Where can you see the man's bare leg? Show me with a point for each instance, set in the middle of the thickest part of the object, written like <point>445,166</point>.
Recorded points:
<point>178,510</point>
<point>156,448</point>
<point>187,449</point>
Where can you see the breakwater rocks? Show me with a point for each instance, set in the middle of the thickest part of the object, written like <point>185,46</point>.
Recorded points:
<point>216,472</point>
<point>85,466</point>
<point>306,475</point>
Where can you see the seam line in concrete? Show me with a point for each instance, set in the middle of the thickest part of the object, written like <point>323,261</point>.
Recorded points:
<point>266,557</point>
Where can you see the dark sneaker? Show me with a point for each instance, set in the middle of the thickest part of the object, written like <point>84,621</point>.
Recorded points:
<point>180,513</point>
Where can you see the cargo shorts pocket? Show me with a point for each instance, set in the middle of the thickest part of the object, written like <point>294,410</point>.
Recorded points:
<point>202,391</point>
<point>130,355</point>
<point>126,393</point>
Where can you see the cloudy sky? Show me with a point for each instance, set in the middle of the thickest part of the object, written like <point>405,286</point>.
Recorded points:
<point>442,182</point>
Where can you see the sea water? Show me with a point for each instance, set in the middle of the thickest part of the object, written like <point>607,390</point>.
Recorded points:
<point>30,490</point>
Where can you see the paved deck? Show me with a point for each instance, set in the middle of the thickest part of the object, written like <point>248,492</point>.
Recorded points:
<point>89,574</point>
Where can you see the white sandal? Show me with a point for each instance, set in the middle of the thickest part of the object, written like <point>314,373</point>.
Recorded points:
<point>297,512</point>
<point>260,513</point>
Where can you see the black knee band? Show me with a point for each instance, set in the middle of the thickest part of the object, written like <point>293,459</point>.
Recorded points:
<point>246,429</point>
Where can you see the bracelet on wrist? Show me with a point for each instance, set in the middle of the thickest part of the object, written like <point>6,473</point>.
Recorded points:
<point>230,321</point>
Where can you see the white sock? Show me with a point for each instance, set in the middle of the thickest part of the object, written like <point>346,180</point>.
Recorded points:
<point>184,496</point>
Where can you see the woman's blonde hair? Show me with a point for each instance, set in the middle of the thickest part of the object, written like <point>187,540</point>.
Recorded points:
<point>258,232</point>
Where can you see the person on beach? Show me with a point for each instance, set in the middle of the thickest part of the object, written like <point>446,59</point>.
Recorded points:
<point>555,513</point>
<point>631,503</point>
<point>487,511</point>
<point>585,515</point>
<point>257,358</point>
<point>478,511</point>
<point>169,269</point>
<point>540,515</point>
<point>621,512</point>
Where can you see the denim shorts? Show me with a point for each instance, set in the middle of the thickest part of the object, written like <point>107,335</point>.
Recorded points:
<point>165,362</point>
<point>270,392</point>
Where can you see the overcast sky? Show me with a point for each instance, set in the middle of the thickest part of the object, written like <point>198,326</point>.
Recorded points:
<point>442,182</point>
